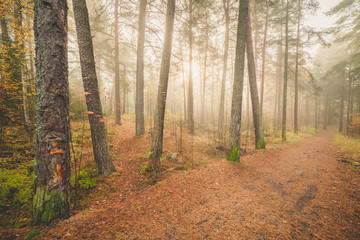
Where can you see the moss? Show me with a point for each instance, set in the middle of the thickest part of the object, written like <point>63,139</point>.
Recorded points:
<point>260,144</point>
<point>234,155</point>
<point>32,234</point>
<point>49,205</point>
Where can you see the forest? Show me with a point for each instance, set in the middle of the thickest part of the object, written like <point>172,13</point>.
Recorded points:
<point>180,119</point>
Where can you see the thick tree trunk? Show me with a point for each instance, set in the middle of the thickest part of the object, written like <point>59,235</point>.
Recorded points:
<point>157,139</point>
<point>190,91</point>
<point>87,61</point>
<point>224,70</point>
<point>236,107</point>
<point>52,135</point>
<point>263,56</point>
<point>296,104</point>
<point>259,132</point>
<point>286,63</point>
<point>117,73</point>
<point>139,105</point>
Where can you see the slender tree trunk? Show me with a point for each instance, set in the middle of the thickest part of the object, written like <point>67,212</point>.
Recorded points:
<point>52,135</point>
<point>183,79</point>
<point>263,56</point>
<point>157,139</point>
<point>341,118</point>
<point>296,111</point>
<point>283,130</point>
<point>277,103</point>
<point>224,71</point>
<point>204,78</point>
<point>236,108</point>
<point>190,91</point>
<point>316,113</point>
<point>117,73</point>
<point>326,112</point>
<point>349,105</point>
<point>259,132</point>
<point>87,61</point>
<point>139,105</point>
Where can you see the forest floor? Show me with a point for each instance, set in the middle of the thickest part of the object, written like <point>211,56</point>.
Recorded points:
<point>298,190</point>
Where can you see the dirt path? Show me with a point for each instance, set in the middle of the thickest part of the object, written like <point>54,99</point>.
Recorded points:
<point>298,192</point>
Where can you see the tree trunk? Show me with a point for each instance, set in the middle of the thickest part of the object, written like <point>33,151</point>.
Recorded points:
<point>157,139</point>
<point>259,132</point>
<point>296,127</point>
<point>349,104</point>
<point>190,91</point>
<point>326,112</point>
<point>236,108</point>
<point>263,56</point>
<point>277,103</point>
<point>204,78</point>
<point>316,113</point>
<point>87,61</point>
<point>52,135</point>
<point>139,105</point>
<point>341,118</point>
<point>117,73</point>
<point>225,60</point>
<point>286,63</point>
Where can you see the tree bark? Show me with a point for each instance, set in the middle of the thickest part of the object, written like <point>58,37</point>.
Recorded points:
<point>117,73</point>
<point>87,61</point>
<point>52,135</point>
<point>264,56</point>
<point>259,132</point>
<point>225,60</point>
<point>286,63</point>
<point>190,91</point>
<point>296,111</point>
<point>139,105</point>
<point>204,77</point>
<point>236,108</point>
<point>157,139</point>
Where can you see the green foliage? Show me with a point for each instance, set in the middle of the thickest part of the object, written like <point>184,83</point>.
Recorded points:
<point>16,187</point>
<point>87,179</point>
<point>77,106</point>
<point>32,234</point>
<point>234,155</point>
<point>145,166</point>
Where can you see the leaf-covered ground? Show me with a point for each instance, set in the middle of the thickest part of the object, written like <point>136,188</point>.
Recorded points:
<point>297,191</point>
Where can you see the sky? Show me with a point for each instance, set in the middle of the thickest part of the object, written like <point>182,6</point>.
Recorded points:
<point>320,20</point>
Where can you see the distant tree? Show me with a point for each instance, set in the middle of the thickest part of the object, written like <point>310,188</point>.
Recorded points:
<point>259,132</point>
<point>157,139</point>
<point>236,107</point>
<point>52,150</point>
<point>117,69</point>
<point>139,104</point>
<point>97,125</point>
<point>286,65</point>
<point>224,70</point>
<point>190,114</point>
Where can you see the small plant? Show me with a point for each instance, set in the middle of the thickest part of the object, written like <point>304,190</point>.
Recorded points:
<point>32,234</point>
<point>234,155</point>
<point>145,166</point>
<point>86,179</point>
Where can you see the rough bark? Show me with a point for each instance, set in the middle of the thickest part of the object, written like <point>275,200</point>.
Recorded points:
<point>224,70</point>
<point>52,151</point>
<point>259,132</point>
<point>236,107</point>
<point>117,73</point>
<point>264,56</point>
<point>296,104</point>
<point>190,91</point>
<point>157,139</point>
<point>139,104</point>
<point>286,64</point>
<point>87,61</point>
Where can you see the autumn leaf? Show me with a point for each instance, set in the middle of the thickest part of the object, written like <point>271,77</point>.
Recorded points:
<point>56,150</point>
<point>87,93</point>
<point>90,112</point>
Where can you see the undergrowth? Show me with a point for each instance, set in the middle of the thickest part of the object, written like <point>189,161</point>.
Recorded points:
<point>350,146</point>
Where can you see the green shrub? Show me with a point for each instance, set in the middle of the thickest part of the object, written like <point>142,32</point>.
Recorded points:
<point>234,155</point>
<point>87,179</point>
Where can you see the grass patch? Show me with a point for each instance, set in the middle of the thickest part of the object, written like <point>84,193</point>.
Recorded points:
<point>350,146</point>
